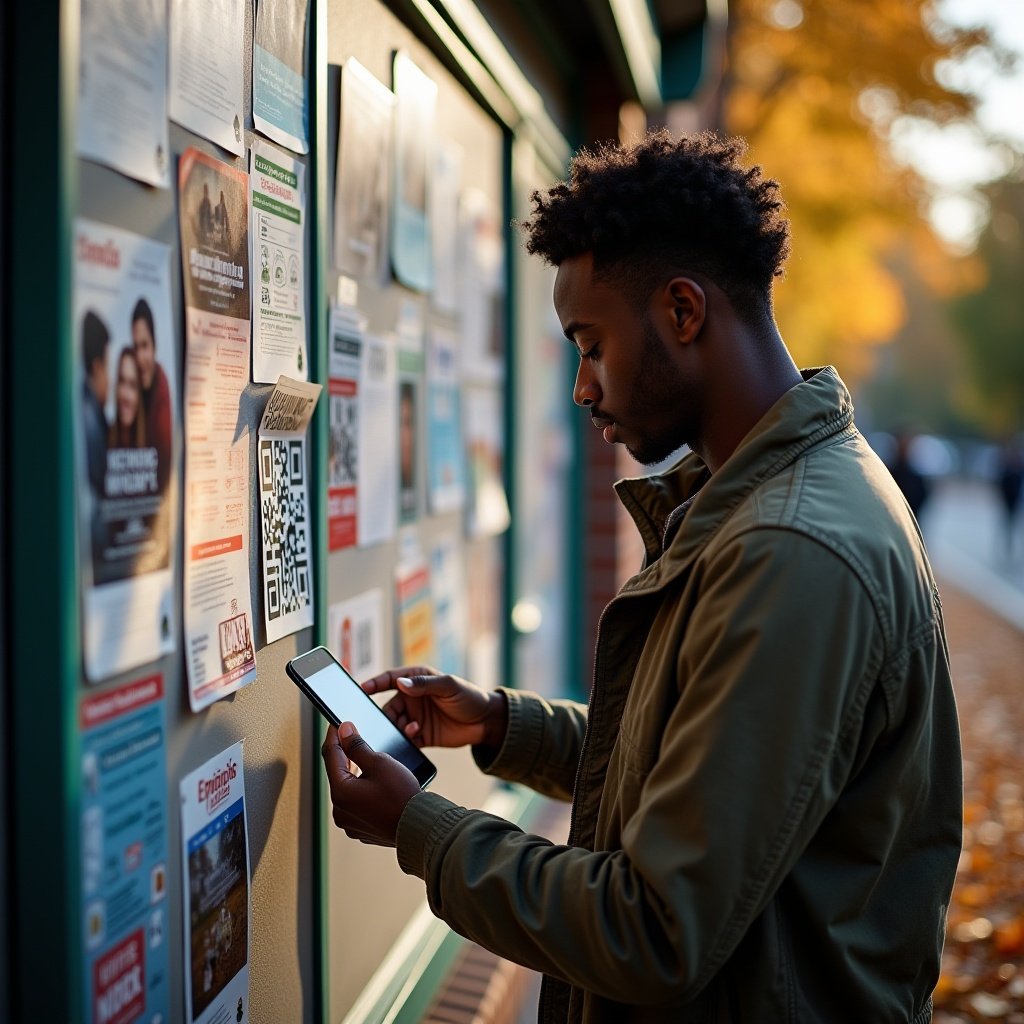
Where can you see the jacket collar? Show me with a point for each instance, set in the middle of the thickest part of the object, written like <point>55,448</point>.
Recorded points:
<point>818,408</point>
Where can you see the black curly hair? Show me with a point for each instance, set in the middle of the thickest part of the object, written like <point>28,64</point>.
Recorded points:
<point>663,206</point>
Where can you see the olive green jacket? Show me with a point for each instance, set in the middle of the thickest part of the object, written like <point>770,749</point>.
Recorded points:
<point>767,782</point>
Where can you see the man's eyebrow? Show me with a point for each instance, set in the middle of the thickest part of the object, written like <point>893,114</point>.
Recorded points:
<point>572,327</point>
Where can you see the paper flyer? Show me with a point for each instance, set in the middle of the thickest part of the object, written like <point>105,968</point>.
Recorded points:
<point>220,653</point>
<point>346,334</point>
<point>482,275</point>
<point>448,593</point>
<point>446,475</point>
<point>377,403</point>
<point>484,588</point>
<point>279,295</point>
<point>215,887</point>
<point>488,509</point>
<point>415,613</point>
<point>124,854</point>
<point>445,184</point>
<point>122,89</point>
<point>126,450</point>
<point>284,508</point>
<point>362,184</point>
<point>416,98</point>
<point>355,633</point>
<point>207,60</point>
<point>280,101</point>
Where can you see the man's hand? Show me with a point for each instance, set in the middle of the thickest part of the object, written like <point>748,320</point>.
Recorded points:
<point>435,710</point>
<point>369,790</point>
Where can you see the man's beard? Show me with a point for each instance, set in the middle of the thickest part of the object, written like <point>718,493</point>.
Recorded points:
<point>660,385</point>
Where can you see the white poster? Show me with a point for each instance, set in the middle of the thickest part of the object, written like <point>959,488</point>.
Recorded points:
<point>276,237</point>
<point>488,510</point>
<point>445,184</point>
<point>482,279</point>
<point>284,508</point>
<point>215,889</point>
<point>355,633</point>
<point>206,65</point>
<point>122,88</point>
<point>220,653</point>
<point>362,185</point>
<point>378,440</point>
<point>126,455</point>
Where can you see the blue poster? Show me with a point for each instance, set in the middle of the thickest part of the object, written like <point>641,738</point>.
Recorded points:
<point>124,855</point>
<point>280,99</point>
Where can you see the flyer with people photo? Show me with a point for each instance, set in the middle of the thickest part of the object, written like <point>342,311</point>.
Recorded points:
<point>214,218</point>
<point>126,402</point>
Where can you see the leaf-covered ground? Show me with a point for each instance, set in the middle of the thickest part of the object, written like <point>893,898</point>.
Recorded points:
<point>982,975</point>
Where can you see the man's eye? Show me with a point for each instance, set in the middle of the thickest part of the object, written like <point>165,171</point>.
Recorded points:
<point>591,353</point>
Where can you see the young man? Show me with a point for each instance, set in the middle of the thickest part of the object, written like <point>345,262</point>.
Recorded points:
<point>766,781</point>
<point>156,392</point>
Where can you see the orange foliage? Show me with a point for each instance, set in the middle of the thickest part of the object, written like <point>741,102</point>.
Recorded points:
<point>815,101</point>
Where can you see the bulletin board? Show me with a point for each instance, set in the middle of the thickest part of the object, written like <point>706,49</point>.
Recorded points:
<point>422,561</point>
<point>369,902</point>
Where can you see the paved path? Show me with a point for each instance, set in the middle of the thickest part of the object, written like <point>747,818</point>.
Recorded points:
<point>964,529</point>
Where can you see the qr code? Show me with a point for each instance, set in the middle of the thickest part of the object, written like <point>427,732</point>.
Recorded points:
<point>285,537</point>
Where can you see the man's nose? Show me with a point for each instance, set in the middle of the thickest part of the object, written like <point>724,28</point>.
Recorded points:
<point>587,391</point>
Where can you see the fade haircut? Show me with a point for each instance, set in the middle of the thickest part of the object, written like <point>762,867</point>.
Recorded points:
<point>662,206</point>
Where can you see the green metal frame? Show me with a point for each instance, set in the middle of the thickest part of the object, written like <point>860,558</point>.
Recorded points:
<point>43,654</point>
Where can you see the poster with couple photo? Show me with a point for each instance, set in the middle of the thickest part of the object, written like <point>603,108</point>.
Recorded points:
<point>127,426</point>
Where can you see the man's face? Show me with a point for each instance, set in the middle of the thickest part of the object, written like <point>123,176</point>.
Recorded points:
<point>630,376</point>
<point>145,351</point>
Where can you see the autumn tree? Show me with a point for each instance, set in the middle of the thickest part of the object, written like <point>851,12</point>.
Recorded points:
<point>990,321</point>
<point>815,87</point>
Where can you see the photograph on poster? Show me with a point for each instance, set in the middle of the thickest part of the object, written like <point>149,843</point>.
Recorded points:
<point>408,456</point>
<point>214,218</point>
<point>280,101</point>
<point>206,67</point>
<point>122,89</point>
<point>362,184</point>
<point>278,197</point>
<point>216,889</point>
<point>346,334</point>
<point>126,355</point>
<point>415,102</point>
<point>284,508</point>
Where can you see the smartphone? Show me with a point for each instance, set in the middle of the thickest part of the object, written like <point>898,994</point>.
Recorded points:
<point>319,675</point>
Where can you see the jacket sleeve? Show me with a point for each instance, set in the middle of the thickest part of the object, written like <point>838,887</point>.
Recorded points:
<point>542,744</point>
<point>780,654</point>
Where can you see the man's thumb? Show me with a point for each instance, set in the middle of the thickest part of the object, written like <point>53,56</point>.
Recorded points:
<point>356,748</point>
<point>428,686</point>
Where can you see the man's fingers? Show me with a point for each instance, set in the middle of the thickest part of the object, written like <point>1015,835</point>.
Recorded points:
<point>388,680</point>
<point>428,685</point>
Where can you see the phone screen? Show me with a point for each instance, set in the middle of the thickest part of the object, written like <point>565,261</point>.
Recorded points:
<point>341,698</point>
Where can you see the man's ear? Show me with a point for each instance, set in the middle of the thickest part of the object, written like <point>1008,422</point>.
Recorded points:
<point>685,305</point>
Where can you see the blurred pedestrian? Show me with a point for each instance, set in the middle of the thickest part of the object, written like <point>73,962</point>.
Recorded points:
<point>910,480</point>
<point>1010,484</point>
